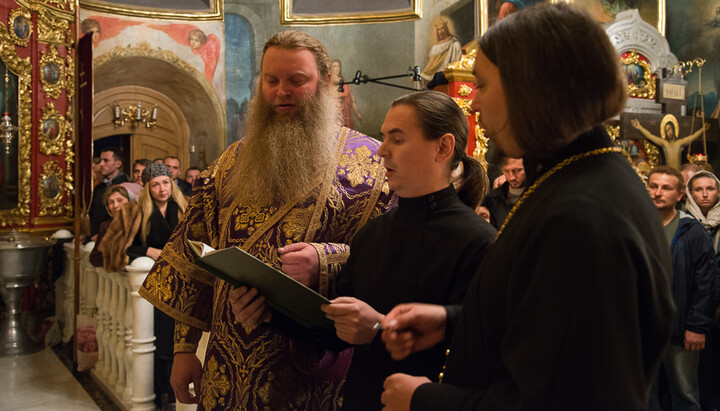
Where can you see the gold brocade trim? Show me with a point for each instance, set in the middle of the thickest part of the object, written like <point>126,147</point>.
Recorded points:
<point>177,315</point>
<point>338,258</point>
<point>324,274</point>
<point>185,348</point>
<point>550,172</point>
<point>377,189</point>
<point>314,224</point>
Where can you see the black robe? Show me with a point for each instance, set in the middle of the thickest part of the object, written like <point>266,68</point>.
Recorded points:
<point>571,308</point>
<point>425,250</point>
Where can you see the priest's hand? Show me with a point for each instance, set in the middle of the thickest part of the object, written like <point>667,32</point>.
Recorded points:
<point>301,262</point>
<point>398,391</point>
<point>413,327</point>
<point>249,310</point>
<point>354,319</point>
<point>186,369</point>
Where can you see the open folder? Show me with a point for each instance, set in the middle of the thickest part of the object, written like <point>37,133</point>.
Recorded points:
<point>282,293</point>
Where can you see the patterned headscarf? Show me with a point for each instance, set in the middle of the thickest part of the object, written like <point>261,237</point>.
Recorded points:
<point>153,170</point>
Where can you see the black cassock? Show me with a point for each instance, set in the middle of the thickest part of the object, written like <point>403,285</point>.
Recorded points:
<point>427,249</point>
<point>571,309</point>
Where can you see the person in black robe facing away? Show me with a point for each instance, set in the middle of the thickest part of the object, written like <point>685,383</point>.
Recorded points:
<point>571,308</point>
<point>425,249</point>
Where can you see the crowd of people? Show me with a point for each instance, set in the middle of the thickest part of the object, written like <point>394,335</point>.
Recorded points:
<point>565,287</point>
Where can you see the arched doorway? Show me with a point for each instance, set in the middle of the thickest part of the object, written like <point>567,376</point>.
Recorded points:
<point>170,136</point>
<point>185,92</point>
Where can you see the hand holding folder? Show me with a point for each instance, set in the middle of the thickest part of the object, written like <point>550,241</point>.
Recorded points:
<point>281,293</point>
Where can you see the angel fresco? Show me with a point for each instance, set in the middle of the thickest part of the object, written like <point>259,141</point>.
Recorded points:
<point>205,46</point>
<point>111,27</point>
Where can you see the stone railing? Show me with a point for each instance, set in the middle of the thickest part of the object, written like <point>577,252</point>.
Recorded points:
<point>125,326</point>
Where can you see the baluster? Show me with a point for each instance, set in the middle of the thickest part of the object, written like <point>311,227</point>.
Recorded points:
<point>143,387</point>
<point>112,330</point>
<point>120,333</point>
<point>128,338</point>
<point>101,365</point>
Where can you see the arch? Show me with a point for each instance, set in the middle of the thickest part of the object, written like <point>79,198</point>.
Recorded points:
<point>171,136</point>
<point>167,74</point>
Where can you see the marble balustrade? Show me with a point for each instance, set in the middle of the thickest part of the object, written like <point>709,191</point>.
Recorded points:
<point>125,326</point>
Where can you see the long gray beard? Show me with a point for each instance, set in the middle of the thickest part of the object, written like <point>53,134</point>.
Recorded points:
<point>284,156</point>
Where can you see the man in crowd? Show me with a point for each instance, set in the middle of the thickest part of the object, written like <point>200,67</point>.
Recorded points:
<point>173,163</point>
<point>502,199</point>
<point>110,168</point>
<point>138,167</point>
<point>191,175</point>
<point>694,274</point>
<point>294,209</point>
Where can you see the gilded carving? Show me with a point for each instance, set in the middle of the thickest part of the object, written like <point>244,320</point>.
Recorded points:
<point>70,80</point>
<point>20,26</point>
<point>52,72</point>
<point>23,69</point>
<point>51,28</point>
<point>652,151</point>
<point>464,104</point>
<point>144,49</point>
<point>465,90</point>
<point>481,142</point>
<point>50,186</point>
<point>69,160</point>
<point>642,86</point>
<point>51,130</point>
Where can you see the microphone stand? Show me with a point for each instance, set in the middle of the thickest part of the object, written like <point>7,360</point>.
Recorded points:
<point>413,72</point>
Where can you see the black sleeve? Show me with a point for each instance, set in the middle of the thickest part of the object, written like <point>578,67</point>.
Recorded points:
<point>136,249</point>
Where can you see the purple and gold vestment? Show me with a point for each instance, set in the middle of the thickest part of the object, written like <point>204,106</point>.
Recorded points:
<point>258,368</point>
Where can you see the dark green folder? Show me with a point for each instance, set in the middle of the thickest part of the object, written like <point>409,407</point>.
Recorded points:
<point>283,294</point>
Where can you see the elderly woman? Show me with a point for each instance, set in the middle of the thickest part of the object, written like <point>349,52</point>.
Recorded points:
<point>571,307</point>
<point>426,249</point>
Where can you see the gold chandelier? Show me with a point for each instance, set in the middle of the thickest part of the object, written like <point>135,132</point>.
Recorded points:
<point>134,114</point>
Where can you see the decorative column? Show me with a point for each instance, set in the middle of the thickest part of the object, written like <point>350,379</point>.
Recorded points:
<point>460,87</point>
<point>127,394</point>
<point>112,330</point>
<point>143,368</point>
<point>88,281</point>
<point>103,365</point>
<point>120,333</point>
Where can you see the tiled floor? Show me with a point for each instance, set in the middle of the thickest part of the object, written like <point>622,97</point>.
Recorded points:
<point>40,381</point>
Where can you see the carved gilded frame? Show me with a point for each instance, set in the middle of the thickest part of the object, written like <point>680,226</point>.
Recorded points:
<point>22,68</point>
<point>215,13</point>
<point>52,72</point>
<point>20,17</point>
<point>642,91</point>
<point>51,187</point>
<point>51,130</point>
<point>290,17</point>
